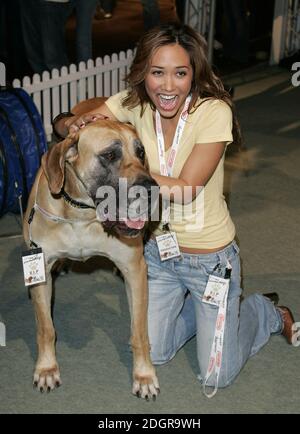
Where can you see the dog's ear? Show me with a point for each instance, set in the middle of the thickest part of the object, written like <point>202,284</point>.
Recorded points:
<point>53,161</point>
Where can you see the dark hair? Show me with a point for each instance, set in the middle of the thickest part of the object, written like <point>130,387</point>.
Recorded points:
<point>205,82</point>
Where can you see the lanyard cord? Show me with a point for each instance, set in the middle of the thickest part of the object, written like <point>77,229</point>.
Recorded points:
<point>216,352</point>
<point>166,168</point>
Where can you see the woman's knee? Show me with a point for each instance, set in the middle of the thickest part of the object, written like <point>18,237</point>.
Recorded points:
<point>159,355</point>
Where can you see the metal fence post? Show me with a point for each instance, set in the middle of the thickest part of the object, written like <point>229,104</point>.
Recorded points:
<point>200,15</point>
<point>2,74</point>
<point>211,31</point>
<point>279,31</point>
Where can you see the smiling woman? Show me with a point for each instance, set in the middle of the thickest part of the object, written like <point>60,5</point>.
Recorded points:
<point>169,81</point>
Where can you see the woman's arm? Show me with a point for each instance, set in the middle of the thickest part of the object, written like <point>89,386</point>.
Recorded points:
<point>196,172</point>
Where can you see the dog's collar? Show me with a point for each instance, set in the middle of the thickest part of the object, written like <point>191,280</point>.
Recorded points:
<point>74,202</point>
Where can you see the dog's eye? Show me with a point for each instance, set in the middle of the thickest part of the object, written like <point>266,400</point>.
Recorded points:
<point>140,153</point>
<point>110,156</point>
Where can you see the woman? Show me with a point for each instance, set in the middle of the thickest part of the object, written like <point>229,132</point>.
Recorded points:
<point>186,121</point>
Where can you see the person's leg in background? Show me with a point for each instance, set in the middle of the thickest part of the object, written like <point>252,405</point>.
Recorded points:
<point>53,22</point>
<point>180,9</point>
<point>85,11</point>
<point>236,32</point>
<point>32,34</point>
<point>3,35</point>
<point>150,13</point>
<point>108,7</point>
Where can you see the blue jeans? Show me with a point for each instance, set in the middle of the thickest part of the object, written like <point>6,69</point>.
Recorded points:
<point>176,311</point>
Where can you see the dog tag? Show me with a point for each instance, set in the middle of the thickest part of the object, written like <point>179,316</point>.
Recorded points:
<point>33,266</point>
<point>168,246</point>
<point>215,290</point>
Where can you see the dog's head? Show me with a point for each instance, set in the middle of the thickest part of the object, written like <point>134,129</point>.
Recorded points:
<point>109,161</point>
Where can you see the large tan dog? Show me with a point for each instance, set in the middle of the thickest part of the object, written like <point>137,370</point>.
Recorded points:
<point>65,224</point>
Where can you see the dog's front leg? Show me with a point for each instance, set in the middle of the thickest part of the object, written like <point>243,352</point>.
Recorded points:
<point>145,382</point>
<point>46,375</point>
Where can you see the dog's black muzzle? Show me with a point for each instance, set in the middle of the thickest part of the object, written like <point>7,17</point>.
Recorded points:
<point>131,208</point>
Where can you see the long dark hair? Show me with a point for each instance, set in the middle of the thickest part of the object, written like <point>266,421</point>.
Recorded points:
<point>206,84</point>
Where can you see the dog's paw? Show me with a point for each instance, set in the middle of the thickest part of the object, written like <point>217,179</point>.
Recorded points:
<point>46,380</point>
<point>146,387</point>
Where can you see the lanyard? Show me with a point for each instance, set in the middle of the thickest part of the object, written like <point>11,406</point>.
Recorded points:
<point>215,358</point>
<point>166,168</point>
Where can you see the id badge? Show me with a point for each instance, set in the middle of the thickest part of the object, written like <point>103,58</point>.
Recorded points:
<point>168,246</point>
<point>33,266</point>
<point>215,291</point>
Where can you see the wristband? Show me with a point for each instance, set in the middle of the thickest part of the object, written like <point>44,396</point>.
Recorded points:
<point>58,118</point>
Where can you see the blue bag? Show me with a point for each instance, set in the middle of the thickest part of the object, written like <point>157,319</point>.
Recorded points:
<point>22,144</point>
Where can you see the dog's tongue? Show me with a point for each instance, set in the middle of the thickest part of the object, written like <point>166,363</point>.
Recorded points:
<point>135,224</point>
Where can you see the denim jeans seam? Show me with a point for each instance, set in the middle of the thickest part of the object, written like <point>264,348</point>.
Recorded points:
<point>163,346</point>
<point>225,347</point>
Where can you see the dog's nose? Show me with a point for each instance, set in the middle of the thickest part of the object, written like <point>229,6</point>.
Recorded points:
<point>147,182</point>
<point>148,197</point>
<point>150,188</point>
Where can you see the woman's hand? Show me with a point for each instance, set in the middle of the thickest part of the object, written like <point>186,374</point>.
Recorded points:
<point>65,123</point>
<point>75,123</point>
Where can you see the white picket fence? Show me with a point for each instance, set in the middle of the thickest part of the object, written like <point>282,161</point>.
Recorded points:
<point>58,91</point>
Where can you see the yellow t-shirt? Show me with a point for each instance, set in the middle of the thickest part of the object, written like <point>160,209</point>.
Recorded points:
<point>206,223</point>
